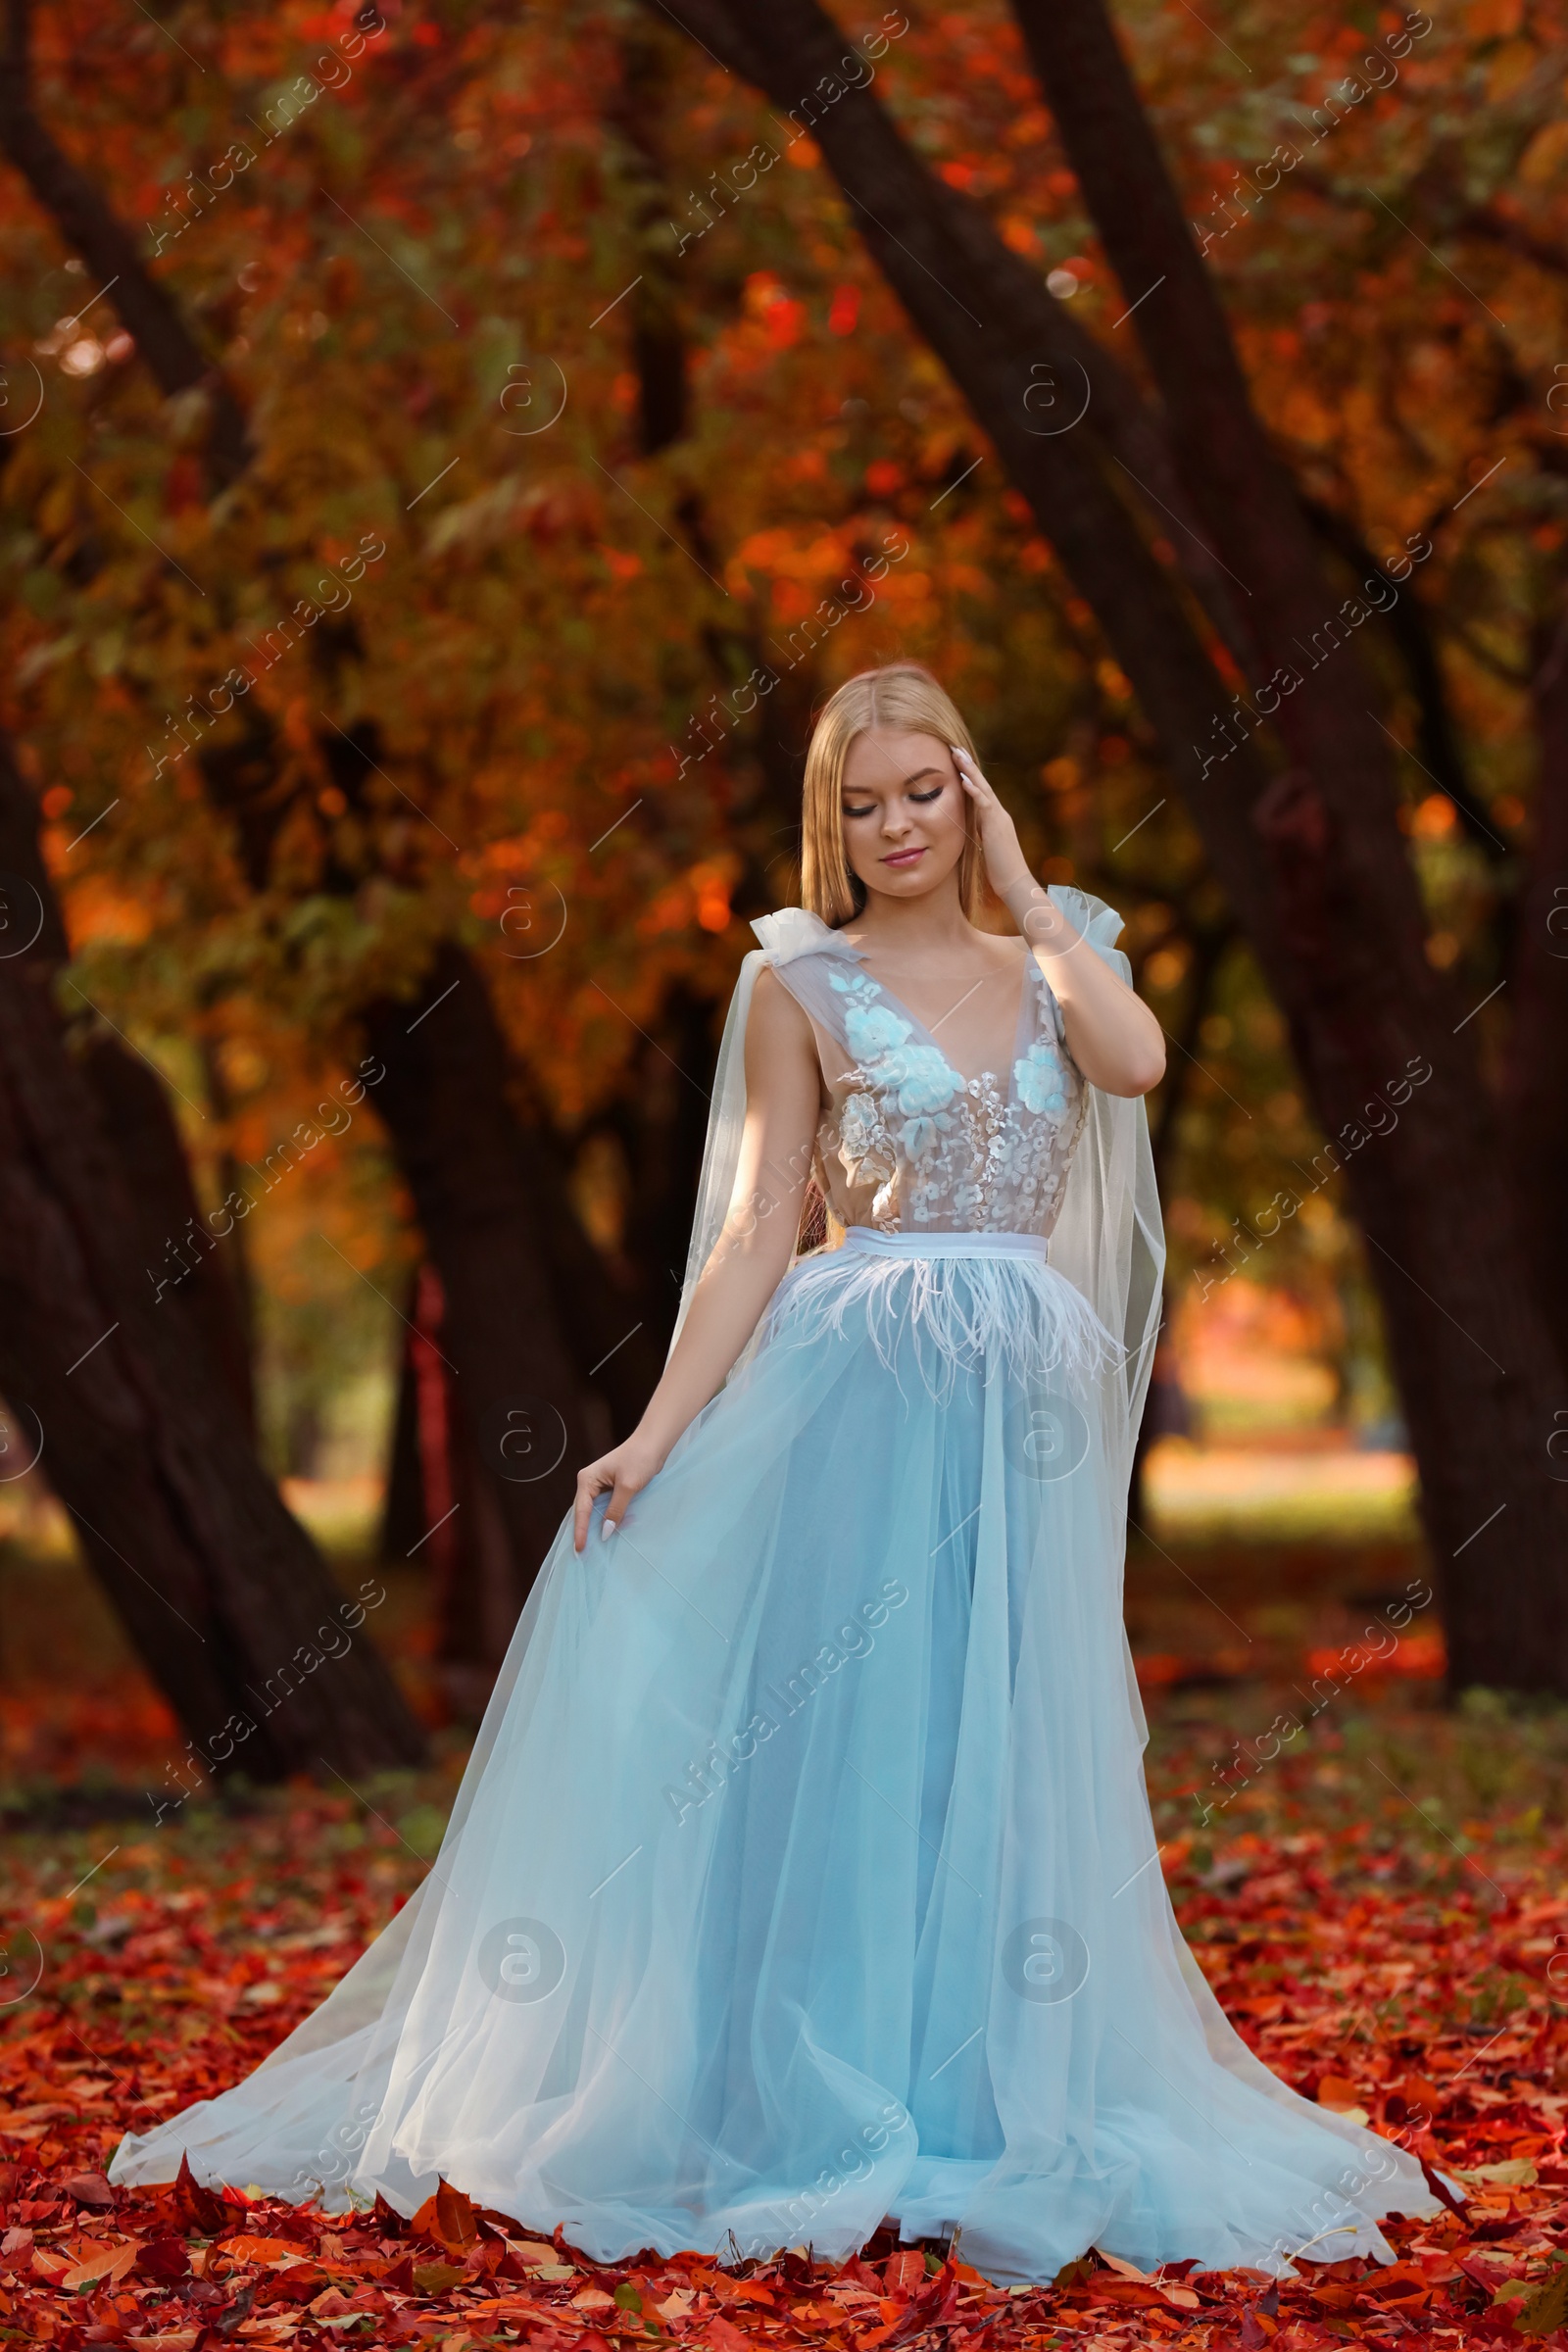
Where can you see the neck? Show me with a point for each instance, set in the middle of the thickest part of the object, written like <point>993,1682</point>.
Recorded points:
<point>928,925</point>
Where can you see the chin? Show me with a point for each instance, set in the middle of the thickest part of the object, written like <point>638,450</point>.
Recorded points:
<point>906,881</point>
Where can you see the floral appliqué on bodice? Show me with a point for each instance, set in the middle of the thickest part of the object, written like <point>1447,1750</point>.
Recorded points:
<point>907,1143</point>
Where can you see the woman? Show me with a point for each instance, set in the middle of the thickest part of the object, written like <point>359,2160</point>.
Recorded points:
<point>803,1872</point>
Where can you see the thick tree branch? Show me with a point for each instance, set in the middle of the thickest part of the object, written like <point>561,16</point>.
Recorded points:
<point>1002,337</point>
<point>794,53</point>
<point>1438,742</point>
<point>89,227</point>
<point>1248,503</point>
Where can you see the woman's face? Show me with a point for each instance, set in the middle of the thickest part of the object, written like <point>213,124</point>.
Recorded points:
<point>905,813</point>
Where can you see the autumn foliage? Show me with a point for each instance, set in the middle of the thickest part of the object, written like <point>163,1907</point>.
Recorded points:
<point>552,444</point>
<point>1378,1970</point>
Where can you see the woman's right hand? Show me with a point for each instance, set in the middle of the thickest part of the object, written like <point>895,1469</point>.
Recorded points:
<point>625,1470</point>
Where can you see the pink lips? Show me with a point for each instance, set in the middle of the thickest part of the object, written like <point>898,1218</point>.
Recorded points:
<point>904,857</point>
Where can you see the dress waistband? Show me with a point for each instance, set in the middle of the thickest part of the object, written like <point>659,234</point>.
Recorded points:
<point>946,1245</point>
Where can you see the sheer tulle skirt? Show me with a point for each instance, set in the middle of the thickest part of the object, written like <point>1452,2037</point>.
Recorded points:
<point>803,1872</point>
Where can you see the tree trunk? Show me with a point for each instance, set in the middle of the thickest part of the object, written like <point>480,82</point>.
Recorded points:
<point>141,1435</point>
<point>168,1214</point>
<point>1536,1082</point>
<point>1316,873</point>
<point>404,1519</point>
<point>524,1419</point>
<point>441,1507</point>
<point>1478,1369</point>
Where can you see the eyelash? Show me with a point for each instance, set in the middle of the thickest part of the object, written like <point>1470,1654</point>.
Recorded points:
<point>935,794</point>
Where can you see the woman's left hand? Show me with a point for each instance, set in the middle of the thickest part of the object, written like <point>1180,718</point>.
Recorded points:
<point>1112,1035</point>
<point>1041,924</point>
<point>1006,865</point>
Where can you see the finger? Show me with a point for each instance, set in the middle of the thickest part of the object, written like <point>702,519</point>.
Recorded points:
<point>616,1511</point>
<point>589,1483</point>
<point>968,772</point>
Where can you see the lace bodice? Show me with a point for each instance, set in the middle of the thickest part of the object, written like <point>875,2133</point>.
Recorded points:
<point>905,1143</point>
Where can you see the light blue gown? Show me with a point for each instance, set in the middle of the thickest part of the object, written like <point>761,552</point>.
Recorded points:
<point>803,1872</point>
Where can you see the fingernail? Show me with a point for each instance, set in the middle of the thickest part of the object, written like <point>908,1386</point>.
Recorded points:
<point>607,1530</point>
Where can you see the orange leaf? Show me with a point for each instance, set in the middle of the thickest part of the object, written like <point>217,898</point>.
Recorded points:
<point>454,2223</point>
<point>246,2248</point>
<point>1125,2291</point>
<point>109,2264</point>
<point>723,2335</point>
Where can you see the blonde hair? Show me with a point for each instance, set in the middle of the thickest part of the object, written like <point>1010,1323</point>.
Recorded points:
<point>903,695</point>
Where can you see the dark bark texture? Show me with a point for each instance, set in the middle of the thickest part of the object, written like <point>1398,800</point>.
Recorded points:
<point>135,1422</point>
<point>1535,1081</point>
<point>523,1420</point>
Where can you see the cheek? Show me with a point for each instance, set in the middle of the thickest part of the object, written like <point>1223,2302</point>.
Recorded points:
<point>859,845</point>
<point>944,821</point>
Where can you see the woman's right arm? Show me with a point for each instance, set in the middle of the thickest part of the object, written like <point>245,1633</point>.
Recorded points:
<point>753,1253</point>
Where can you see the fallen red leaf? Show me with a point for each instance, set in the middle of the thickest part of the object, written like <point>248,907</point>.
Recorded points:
<point>89,2188</point>
<point>455,2223</point>
<point>202,2210</point>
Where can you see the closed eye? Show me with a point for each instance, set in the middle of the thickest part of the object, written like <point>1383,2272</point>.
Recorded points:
<point>869,810</point>
<point>935,794</point>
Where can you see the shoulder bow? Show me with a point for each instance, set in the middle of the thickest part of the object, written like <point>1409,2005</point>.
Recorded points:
<point>793,931</point>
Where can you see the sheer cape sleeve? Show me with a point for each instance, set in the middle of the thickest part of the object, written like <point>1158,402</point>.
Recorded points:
<point>789,933</point>
<point>1109,1239</point>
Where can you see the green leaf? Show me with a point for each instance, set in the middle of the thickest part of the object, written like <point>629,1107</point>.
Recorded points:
<point>435,2278</point>
<point>1545,2306</point>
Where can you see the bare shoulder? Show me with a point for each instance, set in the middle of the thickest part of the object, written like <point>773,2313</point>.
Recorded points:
<point>1005,950</point>
<point>776,1021</point>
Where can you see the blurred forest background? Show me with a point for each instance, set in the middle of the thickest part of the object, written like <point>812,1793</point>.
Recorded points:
<point>445,456</point>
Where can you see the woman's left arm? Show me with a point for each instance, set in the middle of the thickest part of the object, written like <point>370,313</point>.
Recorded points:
<point>1112,1034</point>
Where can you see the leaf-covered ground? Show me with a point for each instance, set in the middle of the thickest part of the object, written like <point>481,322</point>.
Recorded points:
<point>1381,1908</point>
